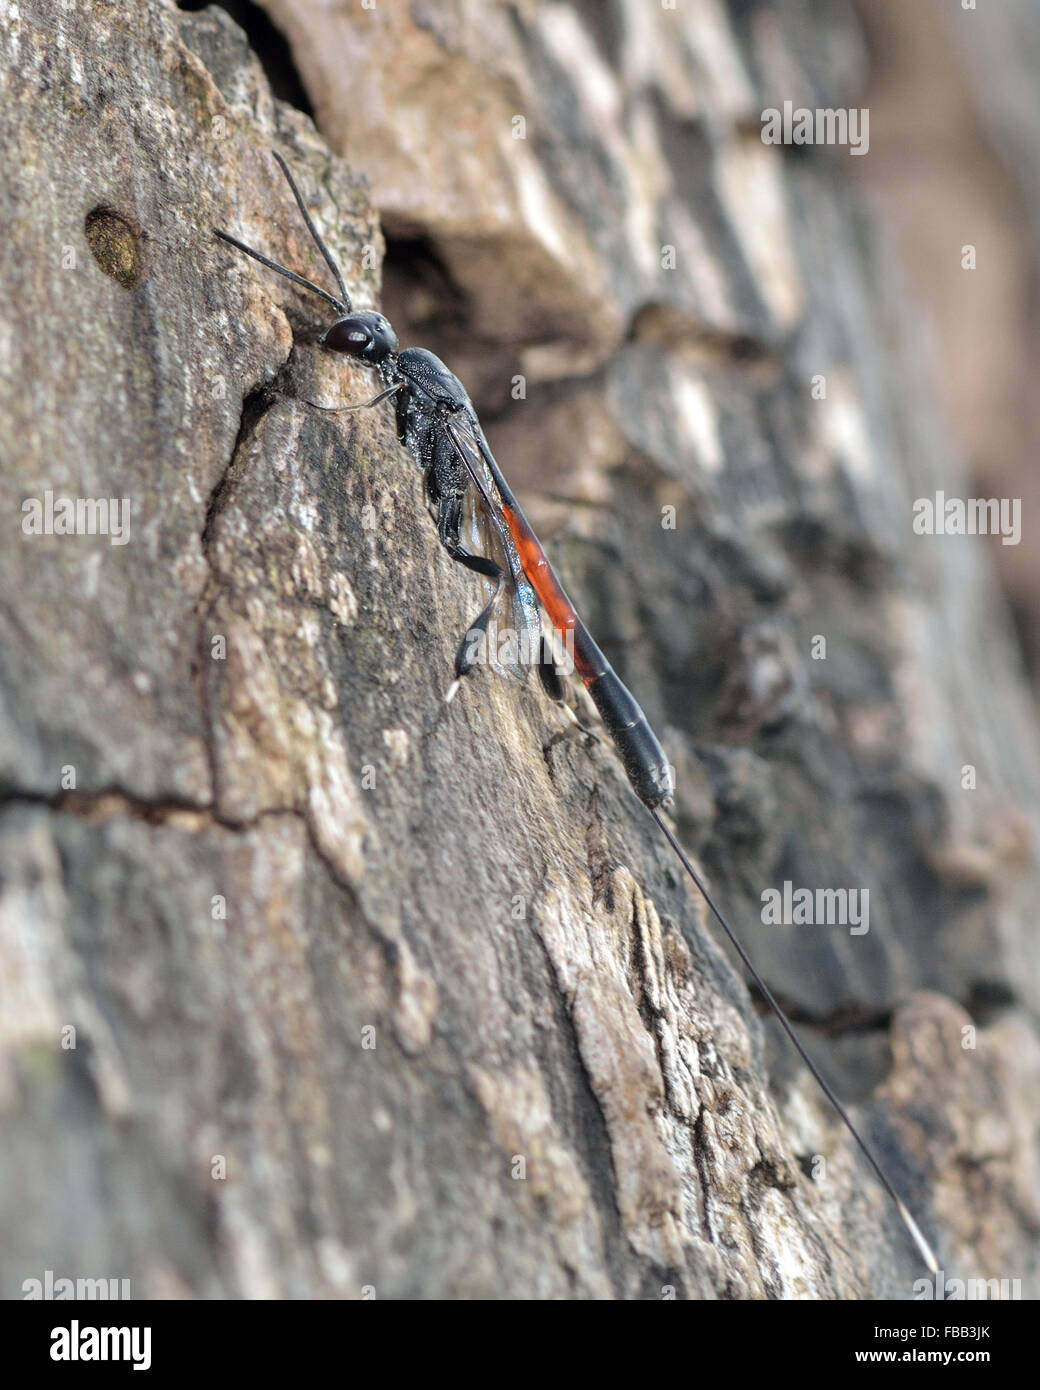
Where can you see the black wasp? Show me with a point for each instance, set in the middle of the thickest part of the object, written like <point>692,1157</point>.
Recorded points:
<point>466,489</point>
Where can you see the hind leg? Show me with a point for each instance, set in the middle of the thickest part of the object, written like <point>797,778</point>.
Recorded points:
<point>449,522</point>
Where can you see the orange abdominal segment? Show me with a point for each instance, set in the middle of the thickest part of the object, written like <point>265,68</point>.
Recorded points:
<point>550,591</point>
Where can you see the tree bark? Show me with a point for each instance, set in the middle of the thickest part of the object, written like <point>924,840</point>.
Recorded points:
<point>313,985</point>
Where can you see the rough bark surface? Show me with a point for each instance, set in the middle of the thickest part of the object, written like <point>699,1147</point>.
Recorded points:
<point>422,975</point>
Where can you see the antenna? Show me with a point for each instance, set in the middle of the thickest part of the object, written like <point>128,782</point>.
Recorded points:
<point>281,269</point>
<point>342,304</point>
<point>327,255</point>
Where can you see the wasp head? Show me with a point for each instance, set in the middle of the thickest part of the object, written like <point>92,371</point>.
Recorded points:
<point>367,336</point>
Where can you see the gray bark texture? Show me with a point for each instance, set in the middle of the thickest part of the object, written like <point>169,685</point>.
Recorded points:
<point>313,985</point>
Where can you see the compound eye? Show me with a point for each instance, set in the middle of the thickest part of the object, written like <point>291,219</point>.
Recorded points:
<point>349,336</point>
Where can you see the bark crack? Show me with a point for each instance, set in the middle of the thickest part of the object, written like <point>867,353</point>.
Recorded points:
<point>112,802</point>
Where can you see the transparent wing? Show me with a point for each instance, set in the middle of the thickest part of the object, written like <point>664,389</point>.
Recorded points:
<point>512,650</point>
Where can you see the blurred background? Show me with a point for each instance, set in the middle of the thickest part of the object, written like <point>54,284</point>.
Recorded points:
<point>954,120</point>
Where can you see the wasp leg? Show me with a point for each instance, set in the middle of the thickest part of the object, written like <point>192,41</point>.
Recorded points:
<point>552,682</point>
<point>555,685</point>
<point>449,520</point>
<point>361,405</point>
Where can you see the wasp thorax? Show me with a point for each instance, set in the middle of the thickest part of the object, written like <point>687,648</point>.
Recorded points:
<point>368,336</point>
